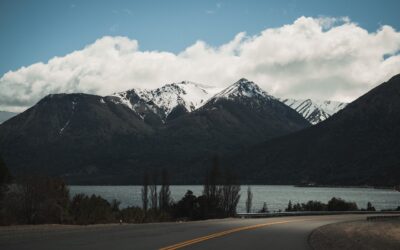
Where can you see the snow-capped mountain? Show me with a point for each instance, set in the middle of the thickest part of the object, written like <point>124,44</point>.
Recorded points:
<point>186,96</point>
<point>314,111</point>
<point>162,101</point>
<point>124,134</point>
<point>242,88</point>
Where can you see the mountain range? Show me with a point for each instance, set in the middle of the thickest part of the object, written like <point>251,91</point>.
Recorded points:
<point>115,139</point>
<point>190,96</point>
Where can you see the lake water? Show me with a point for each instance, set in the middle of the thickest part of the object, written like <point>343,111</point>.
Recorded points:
<point>276,197</point>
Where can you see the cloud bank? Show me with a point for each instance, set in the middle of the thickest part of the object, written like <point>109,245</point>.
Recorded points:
<point>320,58</point>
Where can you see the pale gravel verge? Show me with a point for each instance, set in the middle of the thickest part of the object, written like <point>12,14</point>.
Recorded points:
<point>358,235</point>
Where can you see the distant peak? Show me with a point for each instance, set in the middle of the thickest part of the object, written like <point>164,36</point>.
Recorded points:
<point>243,80</point>
<point>244,83</point>
<point>243,87</point>
<point>195,84</point>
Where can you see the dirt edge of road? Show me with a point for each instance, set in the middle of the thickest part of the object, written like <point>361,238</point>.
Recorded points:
<point>357,235</point>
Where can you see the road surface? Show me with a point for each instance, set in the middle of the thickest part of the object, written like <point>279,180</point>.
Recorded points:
<point>263,233</point>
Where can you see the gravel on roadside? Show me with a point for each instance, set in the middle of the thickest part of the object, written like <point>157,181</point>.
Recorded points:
<point>377,234</point>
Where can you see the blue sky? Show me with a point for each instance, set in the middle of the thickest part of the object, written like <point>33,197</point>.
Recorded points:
<point>323,50</point>
<point>33,31</point>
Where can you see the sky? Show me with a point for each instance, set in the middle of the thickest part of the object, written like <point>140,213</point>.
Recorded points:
<point>334,50</point>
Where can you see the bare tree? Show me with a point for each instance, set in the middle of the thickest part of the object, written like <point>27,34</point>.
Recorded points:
<point>213,191</point>
<point>165,193</point>
<point>249,200</point>
<point>145,192</point>
<point>153,192</point>
<point>230,194</point>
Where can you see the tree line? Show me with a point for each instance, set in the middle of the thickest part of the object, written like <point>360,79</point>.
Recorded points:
<point>40,200</point>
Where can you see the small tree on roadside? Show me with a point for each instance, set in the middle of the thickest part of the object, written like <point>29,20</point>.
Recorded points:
<point>370,207</point>
<point>249,200</point>
<point>264,208</point>
<point>289,207</point>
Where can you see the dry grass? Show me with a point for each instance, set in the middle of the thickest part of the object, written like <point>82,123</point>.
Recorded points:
<point>379,234</point>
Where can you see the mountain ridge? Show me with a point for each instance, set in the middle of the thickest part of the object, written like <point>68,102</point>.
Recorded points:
<point>315,111</point>
<point>359,145</point>
<point>115,139</point>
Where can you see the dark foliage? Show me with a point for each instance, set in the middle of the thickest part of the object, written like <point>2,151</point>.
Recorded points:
<point>94,209</point>
<point>337,204</point>
<point>334,204</point>
<point>188,208</point>
<point>370,207</point>
<point>36,200</point>
<point>264,208</point>
<point>133,215</point>
<point>289,207</point>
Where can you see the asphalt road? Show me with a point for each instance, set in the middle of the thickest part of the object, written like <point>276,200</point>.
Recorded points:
<point>264,233</point>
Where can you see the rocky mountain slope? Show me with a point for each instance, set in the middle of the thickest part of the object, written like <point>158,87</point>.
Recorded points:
<point>314,111</point>
<point>359,145</point>
<point>185,96</point>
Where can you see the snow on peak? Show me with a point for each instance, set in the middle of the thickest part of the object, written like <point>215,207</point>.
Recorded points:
<point>241,88</point>
<point>314,111</point>
<point>187,94</point>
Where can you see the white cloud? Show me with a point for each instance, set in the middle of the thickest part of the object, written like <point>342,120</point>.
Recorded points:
<point>320,58</point>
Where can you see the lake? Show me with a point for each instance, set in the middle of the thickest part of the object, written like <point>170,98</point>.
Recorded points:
<point>276,197</point>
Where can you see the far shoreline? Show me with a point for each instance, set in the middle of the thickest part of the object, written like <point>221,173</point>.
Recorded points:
<point>291,185</point>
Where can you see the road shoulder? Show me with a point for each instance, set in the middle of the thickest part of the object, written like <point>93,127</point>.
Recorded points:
<point>363,234</point>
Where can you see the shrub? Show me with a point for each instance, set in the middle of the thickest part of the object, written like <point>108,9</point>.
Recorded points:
<point>337,204</point>
<point>37,200</point>
<point>264,208</point>
<point>132,215</point>
<point>314,206</point>
<point>370,207</point>
<point>187,208</point>
<point>90,210</point>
